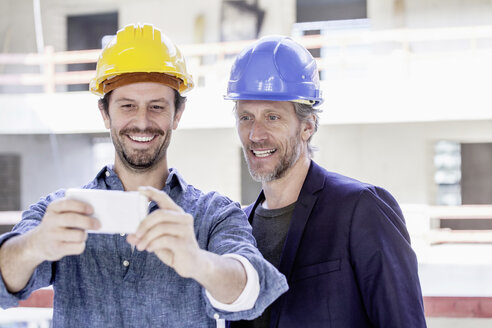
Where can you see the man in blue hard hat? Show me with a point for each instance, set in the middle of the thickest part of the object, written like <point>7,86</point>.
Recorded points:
<point>342,244</point>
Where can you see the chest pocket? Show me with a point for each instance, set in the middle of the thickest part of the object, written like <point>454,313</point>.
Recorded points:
<point>314,270</point>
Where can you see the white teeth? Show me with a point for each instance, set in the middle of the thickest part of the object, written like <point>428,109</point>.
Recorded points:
<point>141,139</point>
<point>263,153</point>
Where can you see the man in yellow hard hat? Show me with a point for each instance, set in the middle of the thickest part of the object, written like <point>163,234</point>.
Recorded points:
<point>190,263</point>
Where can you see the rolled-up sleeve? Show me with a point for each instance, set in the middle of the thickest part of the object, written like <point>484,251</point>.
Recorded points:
<point>248,296</point>
<point>231,234</point>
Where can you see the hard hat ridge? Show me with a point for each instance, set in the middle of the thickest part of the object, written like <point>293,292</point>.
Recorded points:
<point>275,68</point>
<point>140,49</point>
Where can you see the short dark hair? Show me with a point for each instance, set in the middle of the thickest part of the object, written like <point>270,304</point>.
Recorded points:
<point>103,102</point>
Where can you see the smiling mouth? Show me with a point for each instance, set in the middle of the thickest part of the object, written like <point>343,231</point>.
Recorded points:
<point>141,138</point>
<point>263,153</point>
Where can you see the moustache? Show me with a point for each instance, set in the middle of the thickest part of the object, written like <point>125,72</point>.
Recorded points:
<point>153,131</point>
<point>256,145</point>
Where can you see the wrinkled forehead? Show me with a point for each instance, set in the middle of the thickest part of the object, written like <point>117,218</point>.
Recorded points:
<point>143,91</point>
<point>260,106</point>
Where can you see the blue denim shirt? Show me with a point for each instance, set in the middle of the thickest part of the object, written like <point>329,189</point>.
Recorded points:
<point>95,289</point>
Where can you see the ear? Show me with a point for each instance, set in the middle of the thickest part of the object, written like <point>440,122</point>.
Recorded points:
<point>308,128</point>
<point>105,116</point>
<point>177,115</point>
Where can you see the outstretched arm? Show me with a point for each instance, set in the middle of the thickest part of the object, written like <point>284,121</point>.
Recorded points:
<point>62,232</point>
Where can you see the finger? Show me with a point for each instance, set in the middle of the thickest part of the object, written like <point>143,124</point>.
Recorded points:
<point>166,256</point>
<point>76,221</point>
<point>72,235</point>
<point>70,205</point>
<point>161,216</point>
<point>162,229</point>
<point>161,198</point>
<point>164,242</point>
<point>72,248</point>
<point>132,239</point>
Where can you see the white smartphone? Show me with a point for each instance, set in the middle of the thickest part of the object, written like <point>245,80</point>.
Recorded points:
<point>118,211</point>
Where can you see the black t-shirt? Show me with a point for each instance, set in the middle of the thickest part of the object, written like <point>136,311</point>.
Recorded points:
<point>270,227</point>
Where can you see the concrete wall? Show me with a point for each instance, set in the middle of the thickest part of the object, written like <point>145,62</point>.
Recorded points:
<point>395,156</point>
<point>209,159</point>
<point>428,13</point>
<point>178,19</point>
<point>398,157</point>
<point>49,164</point>
<point>279,16</point>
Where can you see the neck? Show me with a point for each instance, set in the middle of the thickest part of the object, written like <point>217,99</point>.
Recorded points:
<point>285,191</point>
<point>132,179</point>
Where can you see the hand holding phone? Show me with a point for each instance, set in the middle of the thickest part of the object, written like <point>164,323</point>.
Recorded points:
<point>117,211</point>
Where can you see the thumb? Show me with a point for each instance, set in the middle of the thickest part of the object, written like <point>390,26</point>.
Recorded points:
<point>161,198</point>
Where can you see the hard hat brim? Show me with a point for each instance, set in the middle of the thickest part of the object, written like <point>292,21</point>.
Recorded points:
<point>272,97</point>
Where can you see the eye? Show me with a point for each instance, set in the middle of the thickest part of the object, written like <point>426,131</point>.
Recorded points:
<point>157,108</point>
<point>273,117</point>
<point>127,106</point>
<point>244,118</point>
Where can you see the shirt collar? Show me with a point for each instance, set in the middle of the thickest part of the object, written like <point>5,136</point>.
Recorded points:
<point>173,179</point>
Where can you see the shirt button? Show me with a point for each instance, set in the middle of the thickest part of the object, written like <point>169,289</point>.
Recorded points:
<point>216,316</point>
<point>107,173</point>
<point>122,234</point>
<point>126,263</point>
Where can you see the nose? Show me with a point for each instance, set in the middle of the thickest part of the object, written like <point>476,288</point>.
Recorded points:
<point>141,119</point>
<point>257,132</point>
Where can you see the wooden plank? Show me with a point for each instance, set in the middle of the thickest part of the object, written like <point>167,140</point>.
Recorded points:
<point>22,79</point>
<point>458,307</point>
<point>74,77</point>
<point>22,58</point>
<point>41,298</point>
<point>462,212</point>
<point>10,217</point>
<point>76,56</point>
<point>437,237</point>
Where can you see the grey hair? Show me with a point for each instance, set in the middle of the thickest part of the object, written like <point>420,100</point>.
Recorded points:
<point>306,113</point>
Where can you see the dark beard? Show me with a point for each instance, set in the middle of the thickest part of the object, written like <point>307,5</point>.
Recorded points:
<point>142,161</point>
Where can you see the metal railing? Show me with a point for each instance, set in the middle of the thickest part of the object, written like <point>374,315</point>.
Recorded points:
<point>439,235</point>
<point>215,58</point>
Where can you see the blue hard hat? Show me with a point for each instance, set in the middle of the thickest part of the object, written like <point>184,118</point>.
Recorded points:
<point>275,68</point>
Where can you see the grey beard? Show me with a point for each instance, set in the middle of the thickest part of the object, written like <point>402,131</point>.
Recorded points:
<point>279,171</point>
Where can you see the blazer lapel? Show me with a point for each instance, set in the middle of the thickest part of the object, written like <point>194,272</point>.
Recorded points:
<point>300,217</point>
<point>305,203</point>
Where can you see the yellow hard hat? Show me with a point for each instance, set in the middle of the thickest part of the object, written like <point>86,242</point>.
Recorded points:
<point>140,49</point>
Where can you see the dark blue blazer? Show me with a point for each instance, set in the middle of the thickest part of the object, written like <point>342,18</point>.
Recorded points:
<point>347,258</point>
